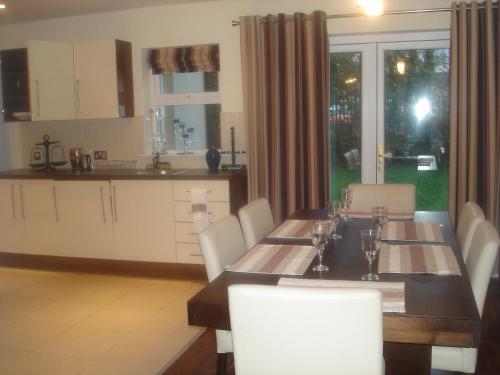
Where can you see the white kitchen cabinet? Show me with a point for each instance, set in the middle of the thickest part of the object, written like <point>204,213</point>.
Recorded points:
<point>85,226</point>
<point>10,216</point>
<point>103,79</point>
<point>38,209</point>
<point>143,227</point>
<point>51,80</point>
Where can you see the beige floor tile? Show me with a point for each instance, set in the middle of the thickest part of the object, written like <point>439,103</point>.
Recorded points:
<point>28,334</point>
<point>54,288</point>
<point>16,306</point>
<point>121,318</point>
<point>65,312</point>
<point>97,292</point>
<point>168,324</point>
<point>83,342</point>
<point>100,368</point>
<point>15,281</point>
<point>42,363</point>
<point>146,299</point>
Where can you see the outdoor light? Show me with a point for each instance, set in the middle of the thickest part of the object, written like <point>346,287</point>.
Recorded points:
<point>350,80</point>
<point>371,7</point>
<point>422,108</point>
<point>401,67</point>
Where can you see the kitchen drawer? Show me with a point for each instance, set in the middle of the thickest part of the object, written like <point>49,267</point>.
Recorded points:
<point>218,191</point>
<point>189,253</point>
<point>216,211</point>
<point>184,232</point>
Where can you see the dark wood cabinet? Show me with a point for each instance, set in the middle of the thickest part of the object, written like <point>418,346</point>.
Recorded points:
<point>15,86</point>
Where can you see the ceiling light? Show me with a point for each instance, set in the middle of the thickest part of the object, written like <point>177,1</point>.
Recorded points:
<point>2,6</point>
<point>401,67</point>
<point>371,7</point>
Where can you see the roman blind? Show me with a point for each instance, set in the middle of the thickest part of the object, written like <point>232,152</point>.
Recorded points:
<point>199,58</point>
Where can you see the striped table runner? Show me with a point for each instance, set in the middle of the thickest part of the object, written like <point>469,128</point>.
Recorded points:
<point>432,259</point>
<point>275,259</point>
<point>393,293</point>
<point>410,231</point>
<point>293,229</point>
<point>355,214</point>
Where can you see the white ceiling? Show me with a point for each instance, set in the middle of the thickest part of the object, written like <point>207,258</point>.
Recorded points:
<point>31,10</point>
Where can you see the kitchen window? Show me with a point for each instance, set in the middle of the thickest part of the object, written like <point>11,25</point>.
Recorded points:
<point>185,99</point>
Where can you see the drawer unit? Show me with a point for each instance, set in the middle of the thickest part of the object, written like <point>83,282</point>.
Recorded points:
<point>184,232</point>
<point>218,191</point>
<point>216,211</point>
<point>189,253</point>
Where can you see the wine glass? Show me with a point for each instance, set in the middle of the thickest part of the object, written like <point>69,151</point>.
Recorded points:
<point>333,210</point>
<point>370,244</point>
<point>346,198</point>
<point>320,233</point>
<point>380,217</point>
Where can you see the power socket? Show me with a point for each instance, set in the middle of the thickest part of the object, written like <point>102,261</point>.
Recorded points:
<point>100,155</point>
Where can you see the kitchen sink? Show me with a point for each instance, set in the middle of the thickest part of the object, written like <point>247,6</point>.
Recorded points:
<point>161,172</point>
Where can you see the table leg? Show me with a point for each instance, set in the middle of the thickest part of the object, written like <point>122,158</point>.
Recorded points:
<point>408,359</point>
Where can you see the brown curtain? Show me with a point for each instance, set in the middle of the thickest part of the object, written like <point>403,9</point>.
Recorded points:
<point>474,108</point>
<point>200,58</point>
<point>285,68</point>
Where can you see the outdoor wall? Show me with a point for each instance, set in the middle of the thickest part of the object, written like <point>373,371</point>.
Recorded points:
<point>200,23</point>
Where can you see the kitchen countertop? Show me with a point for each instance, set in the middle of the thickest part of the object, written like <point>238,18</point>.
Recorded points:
<point>121,174</point>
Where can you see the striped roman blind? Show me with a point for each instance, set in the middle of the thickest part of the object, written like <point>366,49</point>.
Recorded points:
<point>199,58</point>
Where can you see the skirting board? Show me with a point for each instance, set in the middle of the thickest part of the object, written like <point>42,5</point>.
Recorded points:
<point>105,266</point>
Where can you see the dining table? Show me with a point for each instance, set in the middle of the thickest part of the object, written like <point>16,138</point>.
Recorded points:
<point>440,309</point>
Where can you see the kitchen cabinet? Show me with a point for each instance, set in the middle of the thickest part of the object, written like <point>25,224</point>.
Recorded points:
<point>38,209</point>
<point>15,92</point>
<point>85,227</point>
<point>51,80</point>
<point>143,227</point>
<point>10,216</point>
<point>103,79</point>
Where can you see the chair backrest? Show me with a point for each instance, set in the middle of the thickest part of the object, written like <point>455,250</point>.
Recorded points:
<point>221,244</point>
<point>293,330</point>
<point>398,198</point>
<point>256,221</point>
<point>470,217</point>
<point>481,259</point>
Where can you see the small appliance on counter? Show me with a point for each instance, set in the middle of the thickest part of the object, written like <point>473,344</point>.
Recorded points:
<point>48,157</point>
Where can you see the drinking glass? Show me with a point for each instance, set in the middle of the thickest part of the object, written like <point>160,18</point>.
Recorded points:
<point>346,197</point>
<point>370,244</point>
<point>320,233</point>
<point>380,217</point>
<point>333,210</point>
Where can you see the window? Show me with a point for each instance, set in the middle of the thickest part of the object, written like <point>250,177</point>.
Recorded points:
<point>185,99</point>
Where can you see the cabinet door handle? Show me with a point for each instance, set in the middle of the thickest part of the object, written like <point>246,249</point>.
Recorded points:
<point>115,204</point>
<point>21,187</point>
<point>78,97</point>
<point>12,197</point>
<point>189,191</point>
<point>54,194</point>
<point>210,213</point>
<point>37,84</point>
<point>102,204</point>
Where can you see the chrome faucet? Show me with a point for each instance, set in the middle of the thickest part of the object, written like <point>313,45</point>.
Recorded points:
<point>156,161</point>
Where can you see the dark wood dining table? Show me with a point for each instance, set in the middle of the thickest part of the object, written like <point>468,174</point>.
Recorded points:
<point>440,309</point>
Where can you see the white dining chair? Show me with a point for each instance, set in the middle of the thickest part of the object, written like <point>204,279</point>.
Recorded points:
<point>479,264</point>
<point>398,198</point>
<point>468,221</point>
<point>221,244</point>
<point>294,330</point>
<point>256,221</point>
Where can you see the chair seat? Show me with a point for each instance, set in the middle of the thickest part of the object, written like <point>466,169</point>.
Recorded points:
<point>454,359</point>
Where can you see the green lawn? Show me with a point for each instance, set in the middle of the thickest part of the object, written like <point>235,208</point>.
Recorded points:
<point>431,186</point>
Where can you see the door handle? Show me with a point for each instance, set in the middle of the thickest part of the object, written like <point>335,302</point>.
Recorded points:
<point>381,155</point>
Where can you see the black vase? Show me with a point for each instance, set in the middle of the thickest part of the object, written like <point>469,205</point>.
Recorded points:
<point>213,159</point>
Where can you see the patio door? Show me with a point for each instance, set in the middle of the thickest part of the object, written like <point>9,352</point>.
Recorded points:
<point>389,113</point>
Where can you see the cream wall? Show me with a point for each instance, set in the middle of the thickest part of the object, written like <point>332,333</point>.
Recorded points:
<point>207,22</point>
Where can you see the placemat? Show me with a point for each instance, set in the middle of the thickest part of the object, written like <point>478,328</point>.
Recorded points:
<point>410,231</point>
<point>393,293</point>
<point>275,259</point>
<point>355,214</point>
<point>293,229</point>
<point>432,259</point>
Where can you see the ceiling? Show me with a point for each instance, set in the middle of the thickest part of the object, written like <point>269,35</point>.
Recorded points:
<point>30,10</point>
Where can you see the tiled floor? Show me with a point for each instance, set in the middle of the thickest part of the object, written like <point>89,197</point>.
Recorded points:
<point>69,323</point>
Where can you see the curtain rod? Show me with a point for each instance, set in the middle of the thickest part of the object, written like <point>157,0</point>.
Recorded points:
<point>388,13</point>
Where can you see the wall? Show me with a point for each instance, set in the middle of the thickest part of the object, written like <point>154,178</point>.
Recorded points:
<point>207,22</point>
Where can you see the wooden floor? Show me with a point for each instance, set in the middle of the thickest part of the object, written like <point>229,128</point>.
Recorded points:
<point>200,358</point>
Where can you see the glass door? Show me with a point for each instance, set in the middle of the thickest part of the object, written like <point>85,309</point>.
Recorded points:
<point>390,113</point>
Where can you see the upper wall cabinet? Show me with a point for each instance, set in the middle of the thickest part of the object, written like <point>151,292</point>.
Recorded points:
<point>81,80</point>
<point>103,79</point>
<point>14,73</point>
<point>51,80</point>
